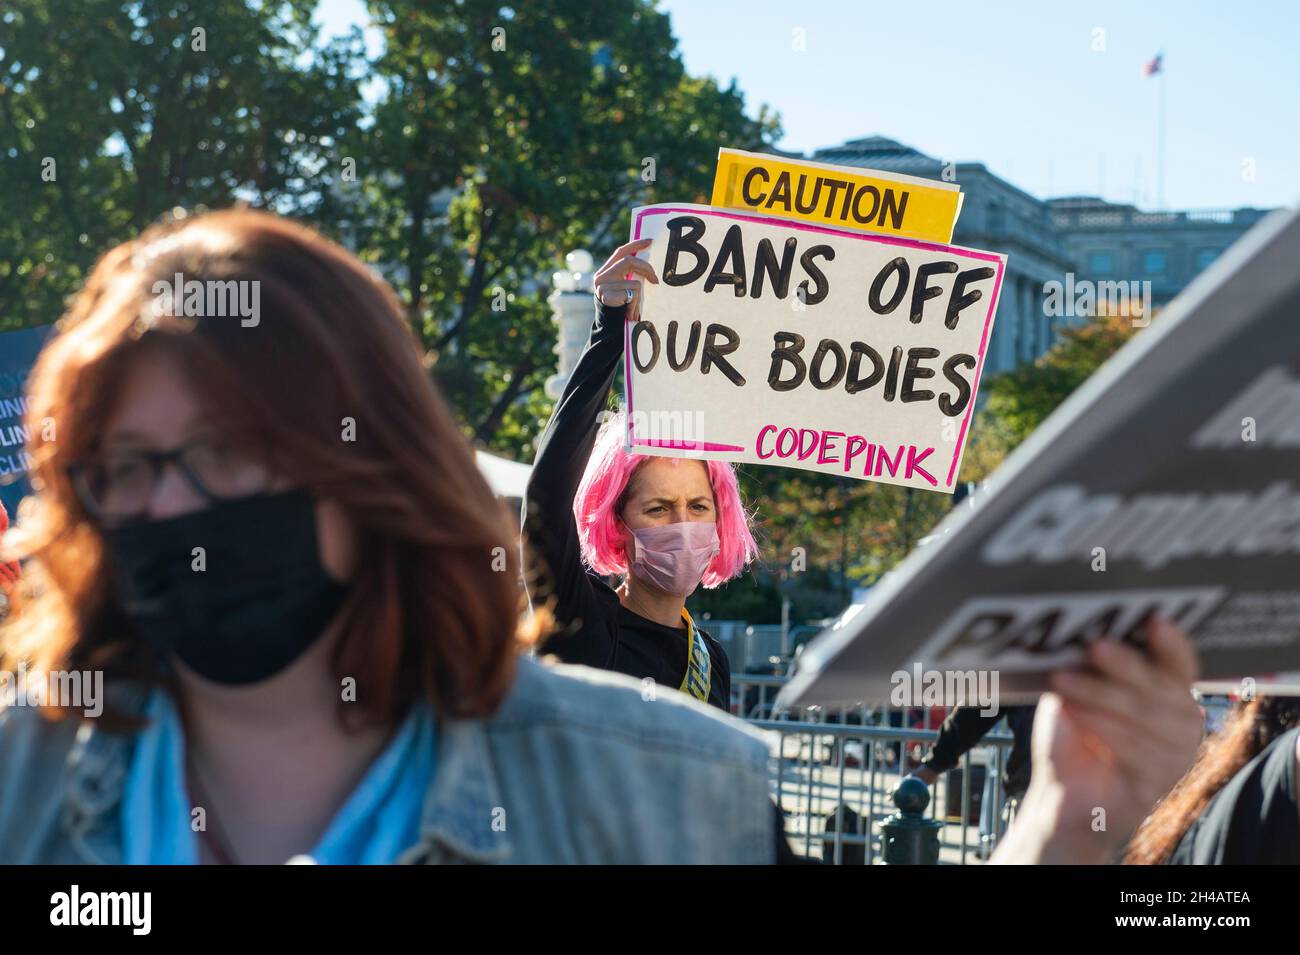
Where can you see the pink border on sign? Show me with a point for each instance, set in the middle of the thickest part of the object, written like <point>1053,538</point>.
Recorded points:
<point>848,234</point>
<point>688,445</point>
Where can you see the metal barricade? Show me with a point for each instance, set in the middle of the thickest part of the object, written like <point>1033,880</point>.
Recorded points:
<point>833,773</point>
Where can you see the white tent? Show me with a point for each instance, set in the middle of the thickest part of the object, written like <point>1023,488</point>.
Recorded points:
<point>507,478</point>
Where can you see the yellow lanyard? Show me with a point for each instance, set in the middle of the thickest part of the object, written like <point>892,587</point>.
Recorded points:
<point>699,666</point>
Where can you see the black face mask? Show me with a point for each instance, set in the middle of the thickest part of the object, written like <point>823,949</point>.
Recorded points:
<point>260,600</point>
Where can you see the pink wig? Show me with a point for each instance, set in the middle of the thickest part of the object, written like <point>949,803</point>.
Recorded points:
<point>603,535</point>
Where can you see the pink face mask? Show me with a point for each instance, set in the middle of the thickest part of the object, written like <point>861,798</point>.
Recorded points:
<point>674,557</point>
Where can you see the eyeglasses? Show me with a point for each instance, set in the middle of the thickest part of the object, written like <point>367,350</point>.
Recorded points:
<point>117,485</point>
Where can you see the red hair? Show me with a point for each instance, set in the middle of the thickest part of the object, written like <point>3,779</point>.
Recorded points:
<point>434,611</point>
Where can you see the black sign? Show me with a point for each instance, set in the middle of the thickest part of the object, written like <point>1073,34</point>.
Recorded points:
<point>1168,483</point>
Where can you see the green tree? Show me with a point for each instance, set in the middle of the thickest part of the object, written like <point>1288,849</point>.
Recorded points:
<point>504,138</point>
<point>1019,401</point>
<point>112,113</point>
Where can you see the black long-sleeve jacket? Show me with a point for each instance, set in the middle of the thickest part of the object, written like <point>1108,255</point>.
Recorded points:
<point>966,726</point>
<point>594,628</point>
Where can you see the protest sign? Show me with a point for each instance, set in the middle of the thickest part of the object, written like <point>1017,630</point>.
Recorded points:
<point>18,351</point>
<point>842,196</point>
<point>1169,483</point>
<point>776,342</point>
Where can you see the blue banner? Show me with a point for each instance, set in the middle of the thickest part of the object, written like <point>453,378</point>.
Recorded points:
<point>18,351</point>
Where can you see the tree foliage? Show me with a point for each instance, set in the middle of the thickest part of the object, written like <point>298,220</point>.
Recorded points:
<point>113,113</point>
<point>462,160</point>
<point>1018,401</point>
<point>505,139</point>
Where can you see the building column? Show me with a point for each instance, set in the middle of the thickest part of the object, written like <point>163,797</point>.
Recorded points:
<point>1035,307</point>
<point>993,360</point>
<point>1024,292</point>
<point>1045,320</point>
<point>1010,323</point>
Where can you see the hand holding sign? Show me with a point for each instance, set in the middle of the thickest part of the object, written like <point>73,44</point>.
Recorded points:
<point>615,281</point>
<point>1115,740</point>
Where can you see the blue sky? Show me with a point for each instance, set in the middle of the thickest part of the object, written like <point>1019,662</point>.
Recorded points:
<point>1020,87</point>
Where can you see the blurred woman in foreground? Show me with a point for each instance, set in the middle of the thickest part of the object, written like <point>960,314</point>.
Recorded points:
<point>267,534</point>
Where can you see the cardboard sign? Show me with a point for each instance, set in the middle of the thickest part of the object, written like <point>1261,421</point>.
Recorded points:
<point>18,351</point>
<point>841,196</point>
<point>1168,483</point>
<point>780,343</point>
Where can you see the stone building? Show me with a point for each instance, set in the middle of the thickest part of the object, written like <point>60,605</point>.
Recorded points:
<point>1109,242</point>
<point>1082,237</point>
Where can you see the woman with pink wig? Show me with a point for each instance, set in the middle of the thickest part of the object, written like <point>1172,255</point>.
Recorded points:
<point>665,525</point>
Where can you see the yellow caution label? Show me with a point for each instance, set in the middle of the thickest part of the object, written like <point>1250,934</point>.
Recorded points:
<point>864,199</point>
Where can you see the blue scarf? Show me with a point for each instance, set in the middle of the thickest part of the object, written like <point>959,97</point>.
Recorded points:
<point>379,820</point>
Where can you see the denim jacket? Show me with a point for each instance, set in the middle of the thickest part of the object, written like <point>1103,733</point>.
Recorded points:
<point>575,767</point>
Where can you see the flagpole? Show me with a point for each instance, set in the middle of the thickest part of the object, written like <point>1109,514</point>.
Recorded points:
<point>1160,142</point>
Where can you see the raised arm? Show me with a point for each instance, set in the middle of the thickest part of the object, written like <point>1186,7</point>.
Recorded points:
<point>964,727</point>
<point>564,449</point>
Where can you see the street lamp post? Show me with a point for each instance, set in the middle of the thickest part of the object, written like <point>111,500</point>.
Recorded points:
<point>571,305</point>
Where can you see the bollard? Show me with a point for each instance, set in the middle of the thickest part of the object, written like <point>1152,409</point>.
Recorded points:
<point>907,837</point>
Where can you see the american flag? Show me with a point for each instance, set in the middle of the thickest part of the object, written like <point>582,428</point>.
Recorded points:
<point>1152,68</point>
